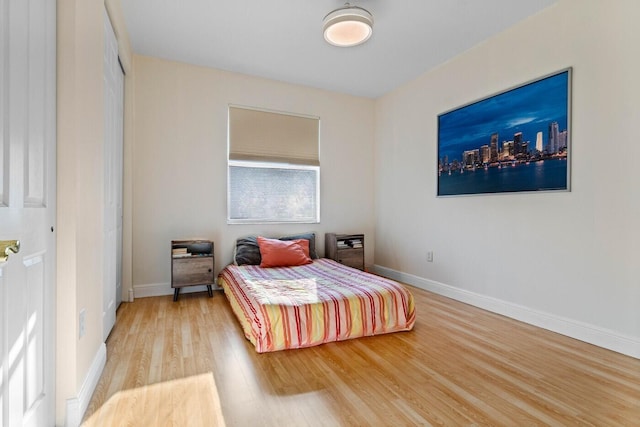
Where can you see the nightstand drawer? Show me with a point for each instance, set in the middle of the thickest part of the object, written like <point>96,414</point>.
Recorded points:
<point>352,257</point>
<point>193,271</point>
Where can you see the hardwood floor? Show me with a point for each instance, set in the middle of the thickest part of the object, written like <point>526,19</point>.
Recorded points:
<point>188,364</point>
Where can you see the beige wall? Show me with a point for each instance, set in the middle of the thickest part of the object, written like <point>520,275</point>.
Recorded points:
<point>179,160</point>
<point>571,255</point>
<point>79,231</point>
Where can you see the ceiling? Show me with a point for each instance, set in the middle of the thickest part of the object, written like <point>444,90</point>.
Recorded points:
<point>282,39</point>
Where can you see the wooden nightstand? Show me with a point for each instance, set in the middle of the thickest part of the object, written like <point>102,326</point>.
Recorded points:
<point>347,249</point>
<point>192,263</point>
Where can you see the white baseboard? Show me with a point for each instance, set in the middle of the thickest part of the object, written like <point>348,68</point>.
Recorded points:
<point>591,334</point>
<point>161,289</point>
<point>77,406</point>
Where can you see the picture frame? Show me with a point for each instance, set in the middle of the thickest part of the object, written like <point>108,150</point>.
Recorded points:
<point>517,140</point>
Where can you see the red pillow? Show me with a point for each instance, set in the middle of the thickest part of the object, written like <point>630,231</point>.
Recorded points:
<point>283,253</point>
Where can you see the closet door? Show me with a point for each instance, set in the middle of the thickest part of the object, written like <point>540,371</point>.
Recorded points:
<point>113,122</point>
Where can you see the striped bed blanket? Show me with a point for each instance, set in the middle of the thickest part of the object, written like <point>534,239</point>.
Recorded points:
<point>294,307</point>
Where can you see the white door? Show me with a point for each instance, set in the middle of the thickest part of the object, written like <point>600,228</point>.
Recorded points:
<point>113,138</point>
<point>27,211</point>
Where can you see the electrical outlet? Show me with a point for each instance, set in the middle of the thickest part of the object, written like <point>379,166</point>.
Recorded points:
<point>429,256</point>
<point>81,323</point>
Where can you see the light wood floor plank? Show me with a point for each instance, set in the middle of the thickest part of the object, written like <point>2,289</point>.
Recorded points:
<point>188,364</point>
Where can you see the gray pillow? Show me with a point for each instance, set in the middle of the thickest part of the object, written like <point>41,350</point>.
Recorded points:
<point>247,251</point>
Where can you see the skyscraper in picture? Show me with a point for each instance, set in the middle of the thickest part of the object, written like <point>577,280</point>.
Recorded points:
<point>494,147</point>
<point>517,143</point>
<point>553,144</point>
<point>539,142</point>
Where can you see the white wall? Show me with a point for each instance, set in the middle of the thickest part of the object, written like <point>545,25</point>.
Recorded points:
<point>179,151</point>
<point>567,261</point>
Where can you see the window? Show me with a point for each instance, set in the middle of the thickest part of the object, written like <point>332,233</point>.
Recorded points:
<point>274,172</point>
<point>265,192</point>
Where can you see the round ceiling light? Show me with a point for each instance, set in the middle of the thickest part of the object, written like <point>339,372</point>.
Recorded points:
<point>348,26</point>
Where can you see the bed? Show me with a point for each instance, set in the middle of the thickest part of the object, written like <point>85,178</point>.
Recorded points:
<point>319,301</point>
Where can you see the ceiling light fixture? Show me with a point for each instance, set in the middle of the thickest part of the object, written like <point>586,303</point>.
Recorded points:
<point>348,26</point>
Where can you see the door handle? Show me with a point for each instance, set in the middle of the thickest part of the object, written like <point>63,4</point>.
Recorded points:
<point>7,247</point>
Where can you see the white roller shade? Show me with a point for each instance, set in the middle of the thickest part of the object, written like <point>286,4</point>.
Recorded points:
<point>273,137</point>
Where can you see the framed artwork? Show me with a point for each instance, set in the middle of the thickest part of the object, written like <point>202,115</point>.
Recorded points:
<point>516,140</point>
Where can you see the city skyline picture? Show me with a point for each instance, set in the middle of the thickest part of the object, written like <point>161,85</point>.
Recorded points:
<point>516,140</point>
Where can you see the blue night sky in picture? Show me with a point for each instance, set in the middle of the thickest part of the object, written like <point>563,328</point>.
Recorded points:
<point>525,127</point>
